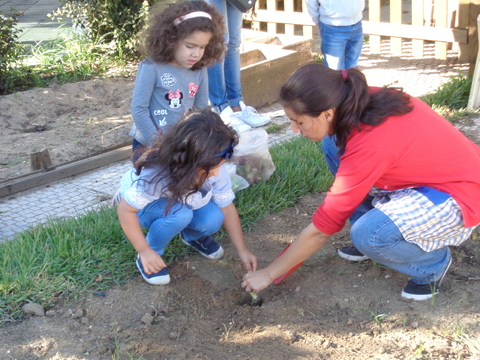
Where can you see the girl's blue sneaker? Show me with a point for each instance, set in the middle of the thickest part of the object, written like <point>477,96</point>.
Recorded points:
<point>160,278</point>
<point>207,246</point>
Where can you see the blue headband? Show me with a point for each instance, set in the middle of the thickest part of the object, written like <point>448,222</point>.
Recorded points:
<point>228,152</point>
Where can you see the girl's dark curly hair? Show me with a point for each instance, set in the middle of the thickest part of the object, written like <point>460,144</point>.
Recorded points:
<point>315,88</point>
<point>161,35</point>
<point>191,145</point>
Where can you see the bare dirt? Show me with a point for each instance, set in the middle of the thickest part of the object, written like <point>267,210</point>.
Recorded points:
<point>328,309</point>
<point>70,121</point>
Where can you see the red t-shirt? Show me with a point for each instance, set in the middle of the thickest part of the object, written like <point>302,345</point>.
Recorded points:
<point>417,149</point>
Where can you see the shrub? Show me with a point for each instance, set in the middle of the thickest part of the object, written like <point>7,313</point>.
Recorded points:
<point>115,22</point>
<point>10,51</point>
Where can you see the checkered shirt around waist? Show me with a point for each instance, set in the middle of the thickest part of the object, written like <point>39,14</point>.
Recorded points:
<point>430,224</point>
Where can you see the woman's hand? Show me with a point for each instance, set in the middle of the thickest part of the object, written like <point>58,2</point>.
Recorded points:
<point>256,281</point>
<point>248,259</point>
<point>307,242</point>
<point>152,262</point>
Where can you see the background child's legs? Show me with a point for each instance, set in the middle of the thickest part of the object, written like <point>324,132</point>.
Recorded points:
<point>354,46</point>
<point>232,60</point>
<point>205,221</point>
<point>376,236</point>
<point>334,42</point>
<point>330,152</point>
<point>163,228</point>
<point>224,77</point>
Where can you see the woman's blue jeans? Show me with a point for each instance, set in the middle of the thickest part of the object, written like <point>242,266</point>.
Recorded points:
<point>341,45</point>
<point>224,82</point>
<point>376,236</point>
<point>192,224</point>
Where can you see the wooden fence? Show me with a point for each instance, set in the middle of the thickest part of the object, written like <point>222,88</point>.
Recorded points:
<point>446,22</point>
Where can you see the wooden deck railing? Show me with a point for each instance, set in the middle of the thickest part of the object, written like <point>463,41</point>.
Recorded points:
<point>445,22</point>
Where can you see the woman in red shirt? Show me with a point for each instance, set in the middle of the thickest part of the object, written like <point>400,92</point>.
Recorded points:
<point>406,178</point>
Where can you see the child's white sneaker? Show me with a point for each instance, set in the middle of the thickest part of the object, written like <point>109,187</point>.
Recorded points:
<point>250,116</point>
<point>231,118</point>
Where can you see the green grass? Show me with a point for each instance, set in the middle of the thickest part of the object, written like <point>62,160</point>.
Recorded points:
<point>450,100</point>
<point>64,60</point>
<point>66,256</point>
<point>275,128</point>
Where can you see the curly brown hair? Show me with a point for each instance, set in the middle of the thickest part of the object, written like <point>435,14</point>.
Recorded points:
<point>161,35</point>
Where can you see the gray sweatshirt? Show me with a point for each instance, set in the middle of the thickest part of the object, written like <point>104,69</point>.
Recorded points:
<point>163,93</point>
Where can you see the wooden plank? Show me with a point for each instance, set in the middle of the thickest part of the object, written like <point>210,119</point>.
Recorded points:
<point>474,97</point>
<point>473,36</point>
<point>417,20</point>
<point>396,18</point>
<point>374,28</point>
<point>416,32</point>
<point>41,159</point>
<point>289,9</point>
<point>248,16</point>
<point>374,12</point>
<point>441,13</point>
<point>271,25</point>
<point>296,18</point>
<point>452,20</point>
<point>61,172</point>
<point>307,30</point>
<point>463,22</point>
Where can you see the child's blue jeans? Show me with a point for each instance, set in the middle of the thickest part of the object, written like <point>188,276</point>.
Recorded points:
<point>224,78</point>
<point>375,235</point>
<point>341,45</point>
<point>192,224</point>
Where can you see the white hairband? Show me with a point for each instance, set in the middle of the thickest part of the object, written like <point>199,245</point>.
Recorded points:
<point>191,15</point>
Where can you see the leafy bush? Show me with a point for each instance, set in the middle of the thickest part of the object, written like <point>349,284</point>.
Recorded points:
<point>115,22</point>
<point>9,51</point>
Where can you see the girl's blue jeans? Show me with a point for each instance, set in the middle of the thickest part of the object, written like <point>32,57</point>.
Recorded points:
<point>376,236</point>
<point>191,224</point>
<point>224,82</point>
<point>341,45</point>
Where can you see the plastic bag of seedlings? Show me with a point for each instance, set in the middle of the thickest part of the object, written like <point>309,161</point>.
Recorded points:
<point>252,156</point>
<point>238,182</point>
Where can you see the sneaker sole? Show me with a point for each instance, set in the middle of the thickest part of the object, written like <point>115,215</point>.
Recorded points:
<point>418,297</point>
<point>160,280</point>
<point>429,296</point>
<point>214,256</point>
<point>257,125</point>
<point>352,257</point>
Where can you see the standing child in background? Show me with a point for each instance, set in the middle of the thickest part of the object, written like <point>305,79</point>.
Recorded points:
<point>180,42</point>
<point>225,78</point>
<point>180,185</point>
<point>340,25</point>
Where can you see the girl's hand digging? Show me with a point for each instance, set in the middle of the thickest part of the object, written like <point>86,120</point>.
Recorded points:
<point>248,259</point>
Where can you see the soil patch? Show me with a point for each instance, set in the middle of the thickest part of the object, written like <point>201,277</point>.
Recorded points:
<point>327,309</point>
<point>71,121</point>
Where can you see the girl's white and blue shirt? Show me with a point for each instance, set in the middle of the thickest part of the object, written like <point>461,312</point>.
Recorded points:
<point>138,192</point>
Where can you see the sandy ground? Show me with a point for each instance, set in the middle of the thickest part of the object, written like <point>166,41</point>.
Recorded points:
<point>327,309</point>
<point>70,121</point>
